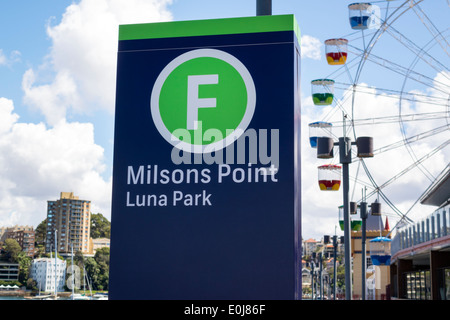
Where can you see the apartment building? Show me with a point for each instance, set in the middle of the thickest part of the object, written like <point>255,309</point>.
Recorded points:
<point>49,274</point>
<point>24,235</point>
<point>310,246</point>
<point>70,217</point>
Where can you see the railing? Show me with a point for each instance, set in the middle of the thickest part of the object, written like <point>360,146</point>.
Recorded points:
<point>435,226</point>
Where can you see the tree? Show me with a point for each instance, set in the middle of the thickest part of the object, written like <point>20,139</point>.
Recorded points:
<point>40,233</point>
<point>12,249</point>
<point>31,284</point>
<point>100,226</point>
<point>24,262</point>
<point>97,269</point>
<point>14,253</point>
<point>340,274</point>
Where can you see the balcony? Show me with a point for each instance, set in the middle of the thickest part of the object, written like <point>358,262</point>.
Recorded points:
<point>432,232</point>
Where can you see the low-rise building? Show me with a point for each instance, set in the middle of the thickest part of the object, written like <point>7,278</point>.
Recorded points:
<point>47,275</point>
<point>100,243</point>
<point>309,246</point>
<point>9,271</point>
<point>377,278</point>
<point>420,263</point>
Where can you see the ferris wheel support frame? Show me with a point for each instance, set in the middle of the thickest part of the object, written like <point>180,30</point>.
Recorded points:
<point>346,158</point>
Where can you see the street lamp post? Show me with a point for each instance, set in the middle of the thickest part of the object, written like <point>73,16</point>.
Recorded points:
<point>321,275</point>
<point>263,7</point>
<point>334,265</point>
<point>365,150</point>
<point>313,274</point>
<point>363,213</point>
<point>345,158</point>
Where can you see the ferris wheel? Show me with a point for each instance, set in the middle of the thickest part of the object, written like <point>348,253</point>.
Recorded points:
<point>389,84</point>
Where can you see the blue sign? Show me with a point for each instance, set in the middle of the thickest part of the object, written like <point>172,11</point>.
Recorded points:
<point>206,178</point>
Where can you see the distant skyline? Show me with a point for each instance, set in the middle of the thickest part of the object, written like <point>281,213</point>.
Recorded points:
<point>57,95</point>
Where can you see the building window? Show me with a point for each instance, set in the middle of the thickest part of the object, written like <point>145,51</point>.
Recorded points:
<point>418,285</point>
<point>444,284</point>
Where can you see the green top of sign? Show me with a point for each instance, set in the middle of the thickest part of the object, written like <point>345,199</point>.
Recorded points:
<point>269,23</point>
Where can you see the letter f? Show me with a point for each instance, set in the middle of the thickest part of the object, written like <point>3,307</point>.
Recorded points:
<point>194,102</point>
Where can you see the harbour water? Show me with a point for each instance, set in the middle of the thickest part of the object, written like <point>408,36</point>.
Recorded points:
<point>5,298</point>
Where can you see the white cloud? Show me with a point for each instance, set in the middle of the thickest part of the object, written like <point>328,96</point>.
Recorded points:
<point>320,212</point>
<point>51,99</point>
<point>14,56</point>
<point>7,118</point>
<point>2,58</point>
<point>37,163</point>
<point>310,47</point>
<point>83,56</point>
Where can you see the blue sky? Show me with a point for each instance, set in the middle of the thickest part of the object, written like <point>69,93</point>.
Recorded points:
<point>57,76</point>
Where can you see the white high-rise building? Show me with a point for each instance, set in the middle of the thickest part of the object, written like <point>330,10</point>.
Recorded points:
<point>43,271</point>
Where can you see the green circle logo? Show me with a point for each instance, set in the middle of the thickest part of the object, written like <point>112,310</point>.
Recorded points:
<point>203,100</point>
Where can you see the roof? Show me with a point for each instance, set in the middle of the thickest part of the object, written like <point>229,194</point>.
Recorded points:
<point>209,27</point>
<point>374,223</point>
<point>438,193</point>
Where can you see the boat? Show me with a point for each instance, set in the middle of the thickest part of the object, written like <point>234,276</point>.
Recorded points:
<point>79,296</point>
<point>38,297</point>
<point>100,296</point>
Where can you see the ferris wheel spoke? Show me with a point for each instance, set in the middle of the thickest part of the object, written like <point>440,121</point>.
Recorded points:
<point>432,28</point>
<point>420,52</point>
<point>391,93</point>
<point>412,139</point>
<point>396,119</point>
<point>413,165</point>
<point>378,191</point>
<point>408,72</point>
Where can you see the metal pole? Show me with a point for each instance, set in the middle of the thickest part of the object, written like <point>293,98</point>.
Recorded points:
<point>345,159</point>
<point>320,276</point>
<point>73,277</point>
<point>334,266</point>
<point>363,212</point>
<point>312,281</point>
<point>263,7</point>
<point>56,255</point>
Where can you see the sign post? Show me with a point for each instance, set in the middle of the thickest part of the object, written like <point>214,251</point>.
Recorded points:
<point>206,178</point>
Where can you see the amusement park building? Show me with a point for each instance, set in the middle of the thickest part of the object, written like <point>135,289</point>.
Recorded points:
<point>420,263</point>
<point>377,277</point>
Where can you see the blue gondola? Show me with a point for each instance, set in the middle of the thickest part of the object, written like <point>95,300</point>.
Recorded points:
<point>360,15</point>
<point>318,129</point>
<point>380,251</point>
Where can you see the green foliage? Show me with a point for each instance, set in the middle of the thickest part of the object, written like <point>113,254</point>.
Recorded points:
<point>31,284</point>
<point>40,232</point>
<point>97,269</point>
<point>340,275</point>
<point>24,266</point>
<point>12,249</point>
<point>100,226</point>
<point>10,283</point>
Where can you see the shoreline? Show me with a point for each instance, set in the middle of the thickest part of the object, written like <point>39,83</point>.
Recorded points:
<point>26,293</point>
<point>14,293</point>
